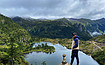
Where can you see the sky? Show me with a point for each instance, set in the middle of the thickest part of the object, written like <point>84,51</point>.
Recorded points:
<point>90,9</point>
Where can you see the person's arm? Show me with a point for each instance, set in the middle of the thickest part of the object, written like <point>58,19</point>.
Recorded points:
<point>72,44</point>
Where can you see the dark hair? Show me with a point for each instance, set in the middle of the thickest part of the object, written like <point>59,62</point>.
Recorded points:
<point>74,33</point>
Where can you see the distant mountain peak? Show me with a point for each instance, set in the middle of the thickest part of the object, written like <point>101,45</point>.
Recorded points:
<point>102,19</point>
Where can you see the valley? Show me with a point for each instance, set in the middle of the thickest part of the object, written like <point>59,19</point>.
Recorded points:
<point>17,36</point>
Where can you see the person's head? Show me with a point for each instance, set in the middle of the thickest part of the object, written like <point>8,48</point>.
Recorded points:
<point>74,34</point>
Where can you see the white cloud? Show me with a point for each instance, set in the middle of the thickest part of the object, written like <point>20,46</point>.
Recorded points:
<point>95,33</point>
<point>54,8</point>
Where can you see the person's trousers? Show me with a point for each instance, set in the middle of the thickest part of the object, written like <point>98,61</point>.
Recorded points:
<point>74,54</point>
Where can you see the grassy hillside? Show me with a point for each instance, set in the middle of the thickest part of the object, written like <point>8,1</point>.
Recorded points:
<point>100,38</point>
<point>12,37</point>
<point>59,28</point>
<point>99,55</point>
<point>10,29</point>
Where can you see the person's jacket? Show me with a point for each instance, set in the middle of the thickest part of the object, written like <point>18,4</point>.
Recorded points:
<point>76,42</point>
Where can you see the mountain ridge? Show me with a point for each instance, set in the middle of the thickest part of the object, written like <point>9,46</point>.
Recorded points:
<point>58,28</point>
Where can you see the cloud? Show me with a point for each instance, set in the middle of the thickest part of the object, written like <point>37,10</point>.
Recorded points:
<point>54,8</point>
<point>95,33</point>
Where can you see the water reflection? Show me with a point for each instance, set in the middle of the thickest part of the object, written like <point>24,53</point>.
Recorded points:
<point>44,63</point>
<point>44,47</point>
<point>35,63</point>
<point>56,57</point>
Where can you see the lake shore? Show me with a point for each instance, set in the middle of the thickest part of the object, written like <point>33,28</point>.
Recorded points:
<point>85,46</point>
<point>56,57</point>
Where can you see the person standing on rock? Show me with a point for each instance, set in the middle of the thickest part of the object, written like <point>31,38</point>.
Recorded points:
<point>75,48</point>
